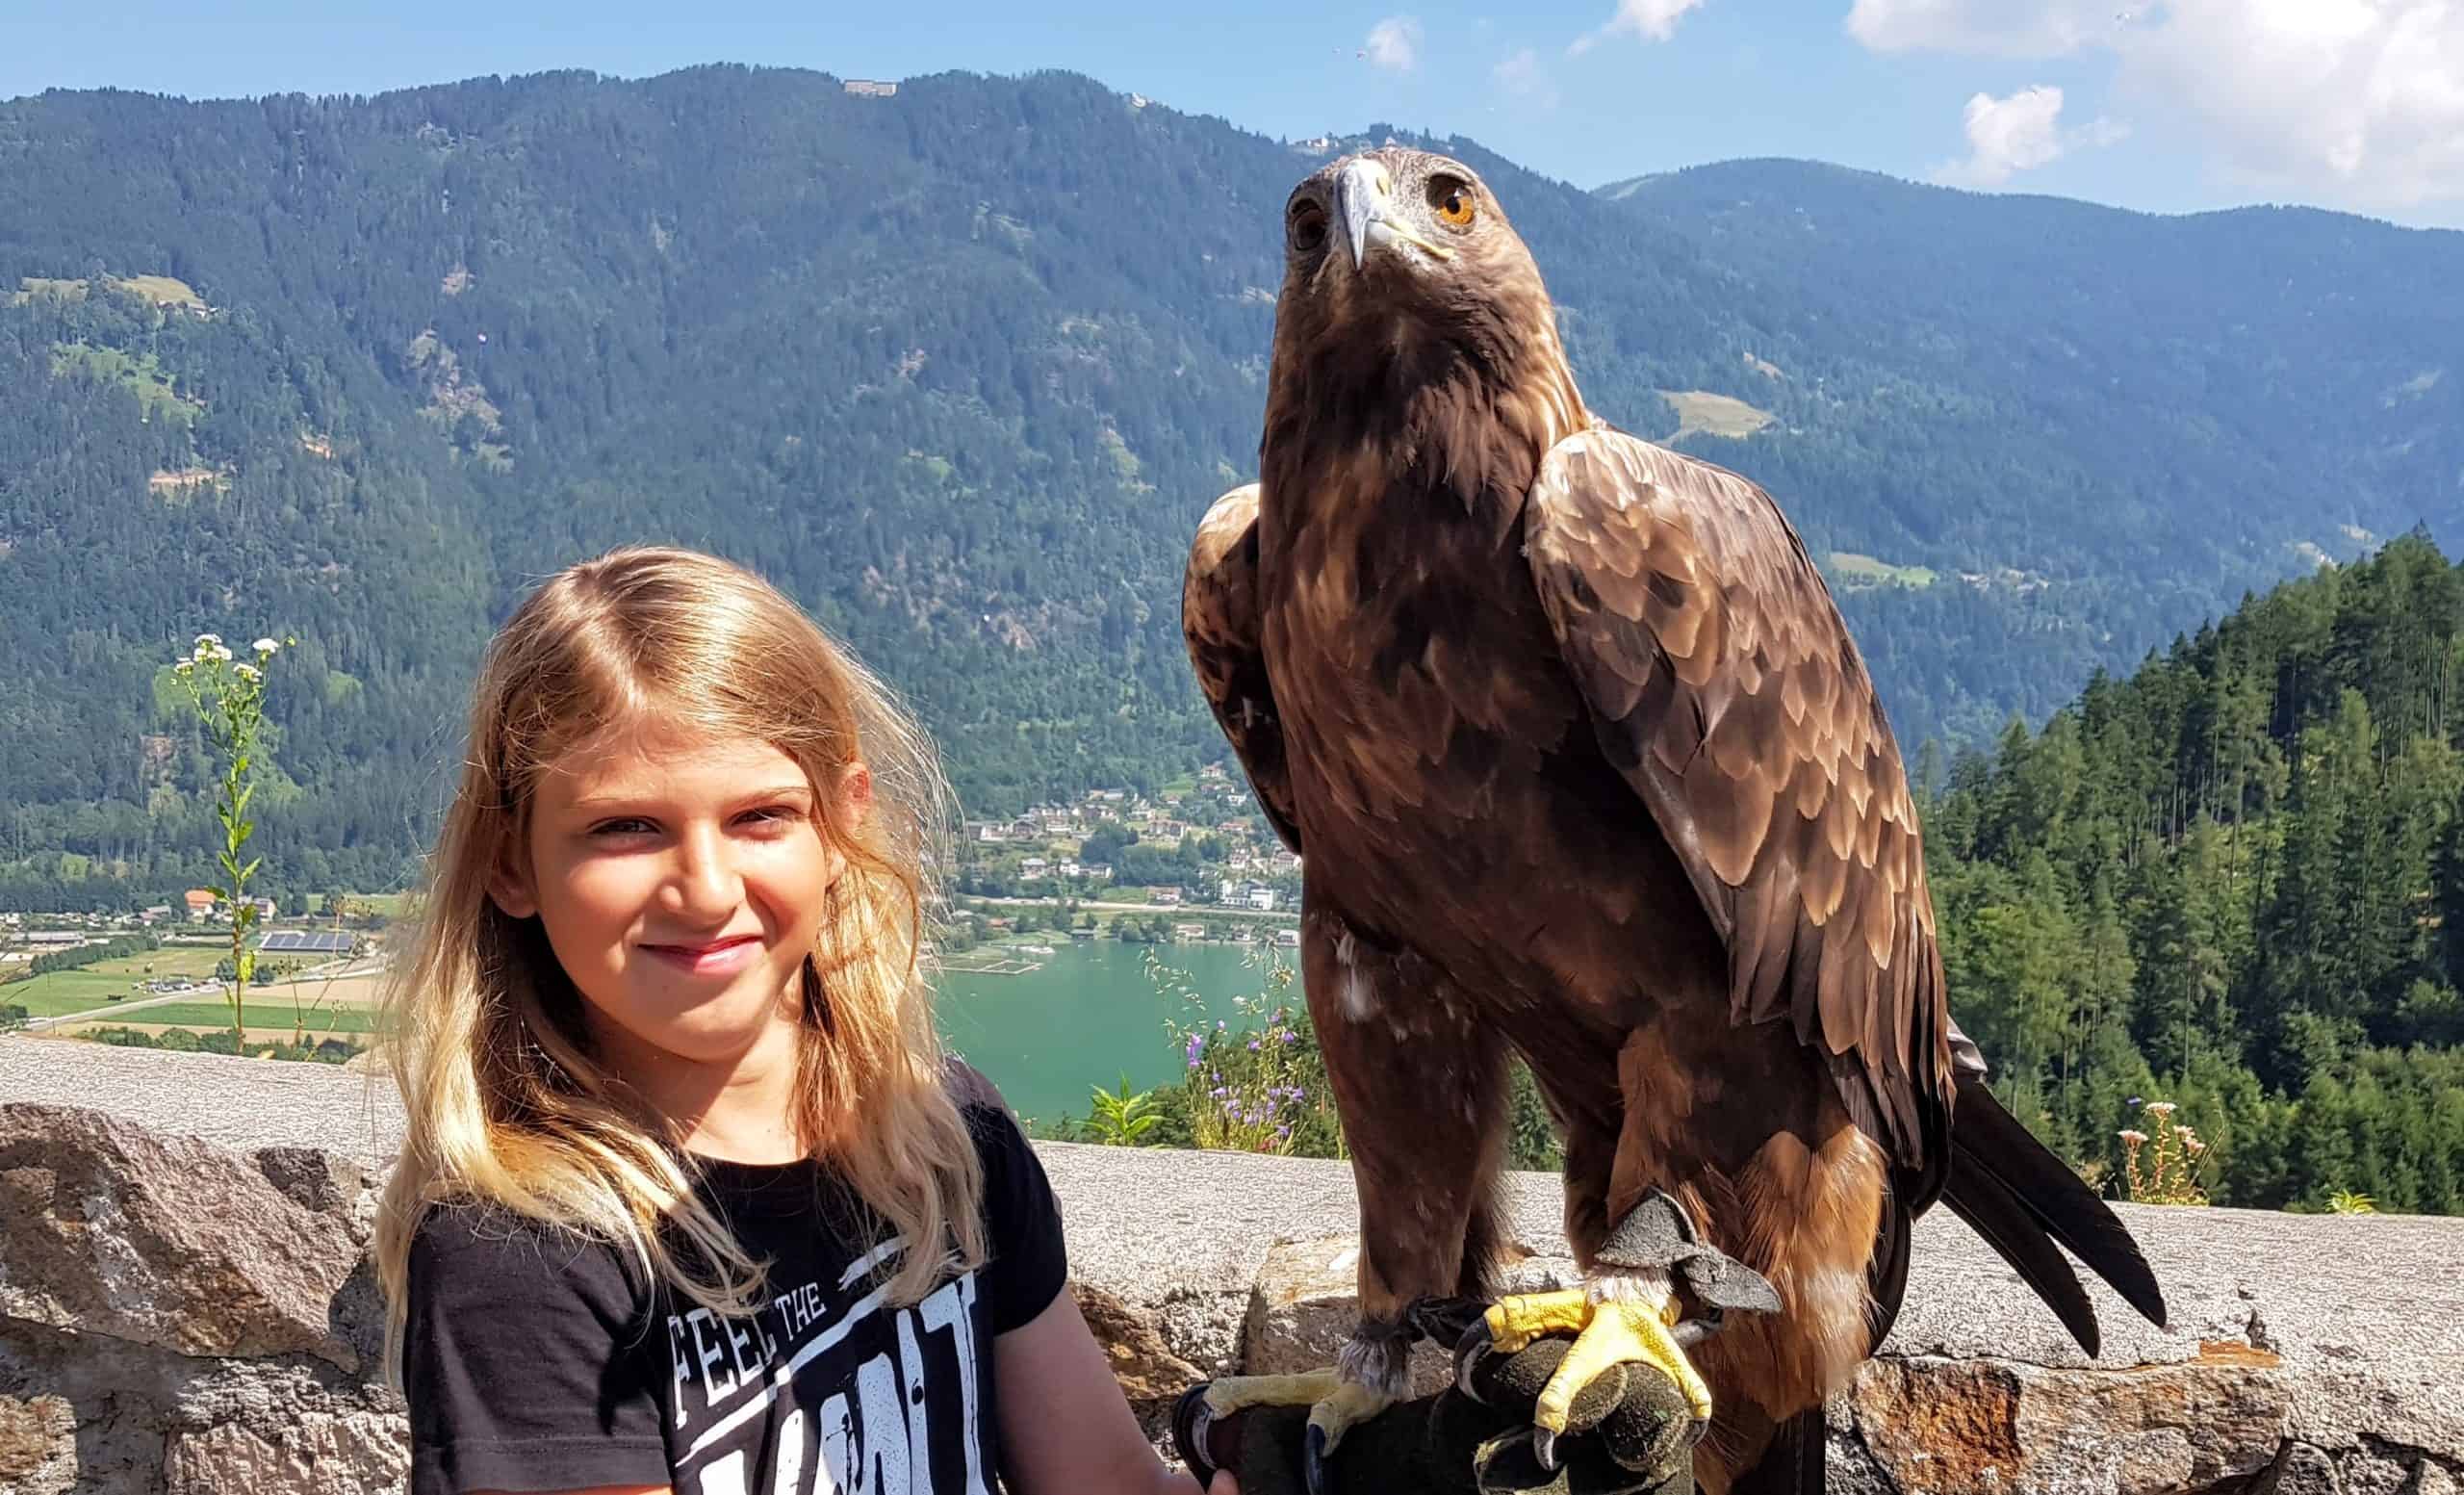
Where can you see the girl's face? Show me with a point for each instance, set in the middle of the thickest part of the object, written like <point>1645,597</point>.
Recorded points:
<point>681,880</point>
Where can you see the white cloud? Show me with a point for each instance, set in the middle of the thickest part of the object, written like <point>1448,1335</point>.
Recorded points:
<point>1521,76</point>
<point>1395,43</point>
<point>2009,28</point>
<point>2017,134</point>
<point>2355,102</point>
<point>1653,20</point>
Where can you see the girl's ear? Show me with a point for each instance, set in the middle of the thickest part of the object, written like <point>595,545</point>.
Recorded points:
<point>856,793</point>
<point>509,888</point>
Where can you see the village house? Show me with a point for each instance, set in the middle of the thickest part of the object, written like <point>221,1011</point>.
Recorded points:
<point>200,904</point>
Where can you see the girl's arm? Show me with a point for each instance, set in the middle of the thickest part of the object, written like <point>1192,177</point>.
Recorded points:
<point>1065,1427</point>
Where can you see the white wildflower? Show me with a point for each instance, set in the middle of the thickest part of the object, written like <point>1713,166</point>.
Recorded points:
<point>2161,1108</point>
<point>266,646</point>
<point>184,666</point>
<point>245,671</point>
<point>2134,1138</point>
<point>209,638</point>
<point>221,654</point>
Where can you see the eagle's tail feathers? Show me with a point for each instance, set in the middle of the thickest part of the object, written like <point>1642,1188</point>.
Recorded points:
<point>1985,1138</point>
<point>1977,1195</point>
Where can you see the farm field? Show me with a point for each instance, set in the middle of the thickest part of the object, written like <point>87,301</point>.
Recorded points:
<point>64,992</point>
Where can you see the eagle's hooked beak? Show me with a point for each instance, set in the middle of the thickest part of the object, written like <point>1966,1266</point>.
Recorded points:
<point>1365,202</point>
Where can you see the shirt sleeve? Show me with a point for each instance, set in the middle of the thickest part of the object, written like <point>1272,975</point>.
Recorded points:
<point>1022,1217</point>
<point>520,1361</point>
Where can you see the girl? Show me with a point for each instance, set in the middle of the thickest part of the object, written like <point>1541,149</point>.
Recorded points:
<point>690,1198</point>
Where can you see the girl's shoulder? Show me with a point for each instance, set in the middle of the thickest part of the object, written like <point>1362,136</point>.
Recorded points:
<point>1000,1142</point>
<point>976,1097</point>
<point>472,1251</point>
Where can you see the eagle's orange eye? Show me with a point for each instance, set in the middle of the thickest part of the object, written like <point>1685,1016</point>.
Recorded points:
<point>1453,201</point>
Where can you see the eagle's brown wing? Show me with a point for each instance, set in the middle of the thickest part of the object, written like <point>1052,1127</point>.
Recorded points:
<point>1219,621</point>
<point>1724,686</point>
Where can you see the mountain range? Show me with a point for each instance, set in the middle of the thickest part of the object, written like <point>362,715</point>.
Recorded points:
<point>959,367</point>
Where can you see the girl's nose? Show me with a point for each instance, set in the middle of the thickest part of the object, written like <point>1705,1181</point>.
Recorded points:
<point>705,880</point>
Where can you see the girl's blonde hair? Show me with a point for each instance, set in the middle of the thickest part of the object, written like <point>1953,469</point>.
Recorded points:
<point>507,1103</point>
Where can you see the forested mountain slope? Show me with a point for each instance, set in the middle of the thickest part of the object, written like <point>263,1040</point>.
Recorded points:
<point>2236,880</point>
<point>959,368</point>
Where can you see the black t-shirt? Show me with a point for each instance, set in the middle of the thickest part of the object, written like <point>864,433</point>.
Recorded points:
<point>535,1361</point>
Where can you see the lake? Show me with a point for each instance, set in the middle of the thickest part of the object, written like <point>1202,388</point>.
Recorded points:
<point>1088,1014</point>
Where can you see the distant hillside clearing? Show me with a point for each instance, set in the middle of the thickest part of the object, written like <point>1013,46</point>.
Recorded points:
<point>1714,415</point>
<point>1857,571</point>
<point>161,291</point>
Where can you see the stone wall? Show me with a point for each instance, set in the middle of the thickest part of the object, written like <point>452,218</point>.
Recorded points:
<point>186,1305</point>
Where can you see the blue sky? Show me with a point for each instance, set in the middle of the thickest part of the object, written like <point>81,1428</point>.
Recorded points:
<point>2162,105</point>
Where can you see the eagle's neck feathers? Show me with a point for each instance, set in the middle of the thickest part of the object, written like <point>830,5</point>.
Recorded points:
<point>1460,422</point>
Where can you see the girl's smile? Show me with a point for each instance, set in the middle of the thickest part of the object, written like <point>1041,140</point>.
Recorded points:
<point>723,958</point>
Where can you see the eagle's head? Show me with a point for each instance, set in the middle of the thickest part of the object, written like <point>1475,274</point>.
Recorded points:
<point>1403,275</point>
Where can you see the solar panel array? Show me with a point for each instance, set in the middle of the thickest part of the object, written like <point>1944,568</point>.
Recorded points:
<point>294,942</point>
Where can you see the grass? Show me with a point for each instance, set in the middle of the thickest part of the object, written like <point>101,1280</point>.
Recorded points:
<point>162,290</point>
<point>74,991</point>
<point>1714,415</point>
<point>174,488</point>
<point>1857,570</point>
<point>32,285</point>
<point>389,905</point>
<point>143,376</point>
<point>264,1019</point>
<point>90,988</point>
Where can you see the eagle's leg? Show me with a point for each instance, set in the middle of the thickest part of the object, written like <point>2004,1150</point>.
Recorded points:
<point>1647,1261</point>
<point>1421,1086</point>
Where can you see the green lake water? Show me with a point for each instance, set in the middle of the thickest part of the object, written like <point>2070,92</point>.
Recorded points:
<point>1088,1014</point>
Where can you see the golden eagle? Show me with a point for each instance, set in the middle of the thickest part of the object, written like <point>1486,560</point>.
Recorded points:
<point>1583,764</point>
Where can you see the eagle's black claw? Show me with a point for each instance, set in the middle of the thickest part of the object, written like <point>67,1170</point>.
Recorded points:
<point>1468,1351</point>
<point>1313,1460</point>
<point>1544,1448</point>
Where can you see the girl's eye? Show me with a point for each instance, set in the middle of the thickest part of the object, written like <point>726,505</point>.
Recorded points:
<point>765,816</point>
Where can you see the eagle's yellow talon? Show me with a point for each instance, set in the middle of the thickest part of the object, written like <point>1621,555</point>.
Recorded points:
<point>1607,1333</point>
<point>1336,1405</point>
<point>1229,1394</point>
<point>1517,1320</point>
